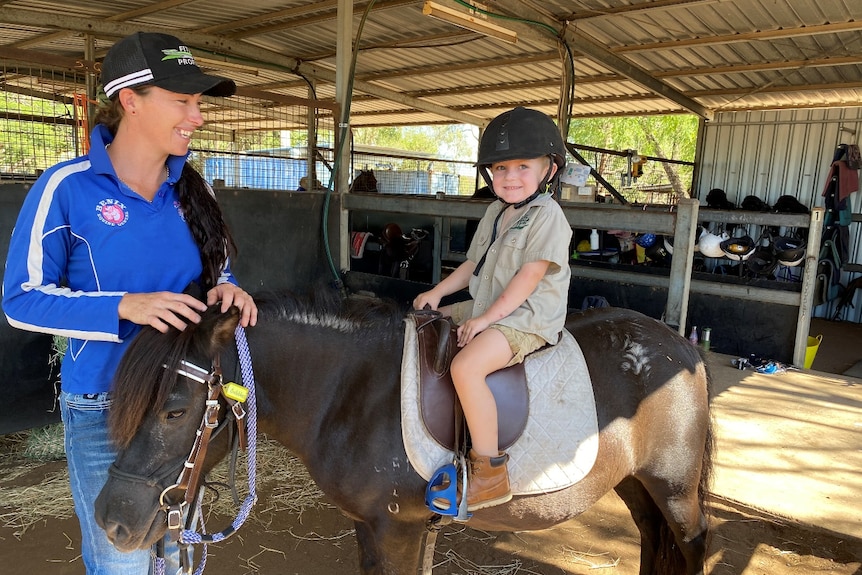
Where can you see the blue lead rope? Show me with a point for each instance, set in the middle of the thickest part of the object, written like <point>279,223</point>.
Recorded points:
<point>192,537</point>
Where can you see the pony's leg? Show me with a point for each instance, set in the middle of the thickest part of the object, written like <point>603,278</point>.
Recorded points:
<point>393,550</point>
<point>682,510</point>
<point>647,517</point>
<point>368,556</point>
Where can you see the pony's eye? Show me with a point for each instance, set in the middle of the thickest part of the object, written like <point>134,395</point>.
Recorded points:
<point>176,413</point>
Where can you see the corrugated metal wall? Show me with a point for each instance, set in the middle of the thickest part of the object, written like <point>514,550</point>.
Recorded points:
<point>785,152</point>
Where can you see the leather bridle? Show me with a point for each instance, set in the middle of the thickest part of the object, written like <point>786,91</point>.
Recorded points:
<point>188,481</point>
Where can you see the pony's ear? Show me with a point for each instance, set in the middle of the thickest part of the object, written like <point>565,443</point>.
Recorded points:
<point>220,326</point>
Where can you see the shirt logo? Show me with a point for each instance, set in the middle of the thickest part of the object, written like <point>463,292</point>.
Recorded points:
<point>522,222</point>
<point>112,212</point>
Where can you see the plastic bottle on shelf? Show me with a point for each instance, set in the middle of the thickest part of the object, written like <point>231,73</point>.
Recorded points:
<point>704,343</point>
<point>693,335</point>
<point>594,239</point>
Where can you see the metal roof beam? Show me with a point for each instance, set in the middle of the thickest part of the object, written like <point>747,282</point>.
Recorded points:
<point>834,28</point>
<point>221,45</point>
<point>586,45</point>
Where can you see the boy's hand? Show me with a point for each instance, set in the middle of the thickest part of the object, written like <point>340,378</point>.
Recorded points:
<point>426,299</point>
<point>470,329</point>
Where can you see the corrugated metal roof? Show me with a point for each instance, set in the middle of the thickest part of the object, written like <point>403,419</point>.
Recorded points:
<point>630,57</point>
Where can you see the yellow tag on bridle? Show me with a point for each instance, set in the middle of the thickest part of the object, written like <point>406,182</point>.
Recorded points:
<point>234,391</point>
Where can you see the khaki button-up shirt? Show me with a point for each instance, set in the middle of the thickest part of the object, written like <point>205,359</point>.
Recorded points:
<point>539,232</point>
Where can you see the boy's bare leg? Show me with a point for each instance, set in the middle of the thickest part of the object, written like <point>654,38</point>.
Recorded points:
<point>486,353</point>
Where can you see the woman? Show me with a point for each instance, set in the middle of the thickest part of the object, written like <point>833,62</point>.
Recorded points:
<point>107,243</point>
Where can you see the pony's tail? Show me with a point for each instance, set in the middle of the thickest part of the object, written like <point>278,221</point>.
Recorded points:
<point>706,467</point>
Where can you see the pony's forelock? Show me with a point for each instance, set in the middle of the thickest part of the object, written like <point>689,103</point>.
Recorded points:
<point>142,383</point>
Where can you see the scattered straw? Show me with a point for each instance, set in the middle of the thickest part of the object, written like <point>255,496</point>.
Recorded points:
<point>469,568</point>
<point>45,443</point>
<point>280,474</point>
<point>11,444</point>
<point>314,536</point>
<point>254,567</point>
<point>32,504</point>
<point>591,560</point>
<point>283,478</point>
<point>26,505</point>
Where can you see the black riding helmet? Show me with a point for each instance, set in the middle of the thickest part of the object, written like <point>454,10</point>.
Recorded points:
<point>522,133</point>
<point>790,251</point>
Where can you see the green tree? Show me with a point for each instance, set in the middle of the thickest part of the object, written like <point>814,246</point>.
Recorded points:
<point>454,142</point>
<point>27,142</point>
<point>672,137</point>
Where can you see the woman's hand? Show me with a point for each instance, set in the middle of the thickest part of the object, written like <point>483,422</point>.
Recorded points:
<point>229,294</point>
<point>161,310</point>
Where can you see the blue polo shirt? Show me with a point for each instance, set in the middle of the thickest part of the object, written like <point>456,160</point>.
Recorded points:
<point>82,240</point>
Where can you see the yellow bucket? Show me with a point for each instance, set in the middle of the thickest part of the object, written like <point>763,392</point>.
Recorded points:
<point>811,350</point>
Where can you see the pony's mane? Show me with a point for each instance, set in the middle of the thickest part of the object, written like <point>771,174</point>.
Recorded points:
<point>142,383</point>
<point>326,308</point>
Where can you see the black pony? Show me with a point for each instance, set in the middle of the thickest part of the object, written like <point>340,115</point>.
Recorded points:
<point>365,181</point>
<point>328,389</point>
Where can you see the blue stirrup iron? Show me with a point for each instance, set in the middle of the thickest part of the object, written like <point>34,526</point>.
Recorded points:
<point>441,493</point>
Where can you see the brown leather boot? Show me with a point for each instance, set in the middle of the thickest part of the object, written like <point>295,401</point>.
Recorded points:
<point>488,483</point>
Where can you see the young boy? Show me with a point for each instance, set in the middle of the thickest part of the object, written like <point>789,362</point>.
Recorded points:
<point>518,273</point>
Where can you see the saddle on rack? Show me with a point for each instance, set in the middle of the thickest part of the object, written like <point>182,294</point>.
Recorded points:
<point>437,339</point>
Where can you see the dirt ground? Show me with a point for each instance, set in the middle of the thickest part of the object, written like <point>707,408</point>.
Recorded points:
<point>318,540</point>
<point>293,529</point>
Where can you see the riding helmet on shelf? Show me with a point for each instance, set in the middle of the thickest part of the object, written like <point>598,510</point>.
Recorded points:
<point>754,204</point>
<point>657,252</point>
<point>717,198</point>
<point>761,262</point>
<point>522,134</point>
<point>668,243</point>
<point>789,251</point>
<point>709,244</point>
<point>668,240</point>
<point>789,205</point>
<point>738,249</point>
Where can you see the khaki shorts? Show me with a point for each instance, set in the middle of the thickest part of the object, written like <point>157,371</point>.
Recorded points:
<point>521,343</point>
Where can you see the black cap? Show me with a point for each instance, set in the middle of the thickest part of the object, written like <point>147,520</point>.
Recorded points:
<point>153,59</point>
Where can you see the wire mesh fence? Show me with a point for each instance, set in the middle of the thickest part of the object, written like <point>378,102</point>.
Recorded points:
<point>399,172</point>
<point>265,140</point>
<point>259,141</point>
<point>38,121</point>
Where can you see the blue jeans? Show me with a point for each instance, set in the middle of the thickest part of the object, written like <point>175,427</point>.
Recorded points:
<point>89,454</point>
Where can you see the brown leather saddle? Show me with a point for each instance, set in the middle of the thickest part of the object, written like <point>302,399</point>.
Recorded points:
<point>437,397</point>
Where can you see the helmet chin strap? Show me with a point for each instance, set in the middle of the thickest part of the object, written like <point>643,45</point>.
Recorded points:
<point>543,188</point>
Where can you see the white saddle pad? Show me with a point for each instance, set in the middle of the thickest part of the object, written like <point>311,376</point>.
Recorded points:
<point>561,439</point>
